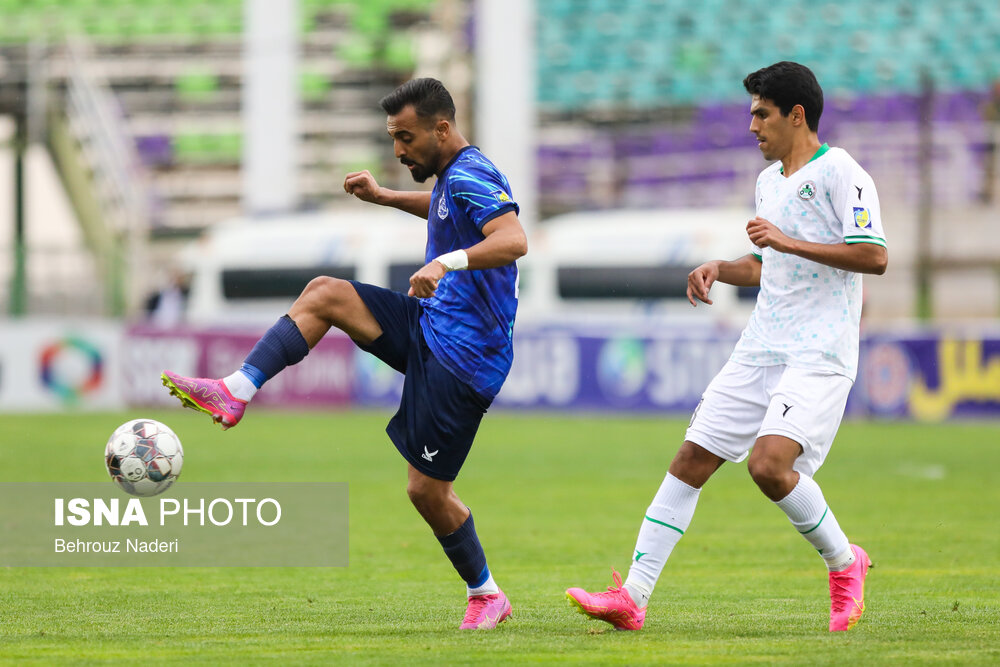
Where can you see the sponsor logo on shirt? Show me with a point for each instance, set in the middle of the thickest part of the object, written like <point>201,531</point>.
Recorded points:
<point>807,190</point>
<point>862,218</point>
<point>442,208</point>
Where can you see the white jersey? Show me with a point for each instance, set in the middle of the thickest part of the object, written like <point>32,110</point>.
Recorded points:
<point>808,314</point>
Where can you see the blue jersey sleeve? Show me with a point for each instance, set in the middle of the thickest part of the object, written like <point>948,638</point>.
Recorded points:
<point>483,193</point>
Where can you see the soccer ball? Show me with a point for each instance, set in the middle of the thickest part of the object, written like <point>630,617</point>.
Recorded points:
<point>144,457</point>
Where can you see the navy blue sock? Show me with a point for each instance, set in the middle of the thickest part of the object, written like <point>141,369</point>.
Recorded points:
<point>282,345</point>
<point>466,553</point>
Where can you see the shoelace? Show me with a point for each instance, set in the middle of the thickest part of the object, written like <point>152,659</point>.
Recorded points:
<point>618,589</point>
<point>618,580</point>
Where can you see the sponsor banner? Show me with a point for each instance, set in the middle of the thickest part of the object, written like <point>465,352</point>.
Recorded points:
<point>925,376</point>
<point>58,365</point>
<point>564,369</point>
<point>576,369</point>
<point>48,365</point>
<point>325,377</point>
<point>929,376</point>
<point>197,524</point>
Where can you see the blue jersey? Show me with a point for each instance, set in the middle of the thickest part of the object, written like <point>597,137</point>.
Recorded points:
<point>469,322</point>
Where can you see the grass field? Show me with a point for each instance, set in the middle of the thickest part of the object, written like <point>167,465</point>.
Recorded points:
<point>557,501</point>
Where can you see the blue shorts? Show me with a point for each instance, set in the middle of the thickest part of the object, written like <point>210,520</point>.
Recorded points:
<point>438,414</point>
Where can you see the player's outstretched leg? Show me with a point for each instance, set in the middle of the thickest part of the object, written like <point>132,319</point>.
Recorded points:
<point>615,605</point>
<point>847,592</point>
<point>226,399</point>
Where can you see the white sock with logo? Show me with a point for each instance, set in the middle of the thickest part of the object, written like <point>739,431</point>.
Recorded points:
<point>806,508</point>
<point>240,386</point>
<point>667,517</point>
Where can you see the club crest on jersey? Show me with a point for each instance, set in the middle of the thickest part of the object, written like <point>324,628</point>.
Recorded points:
<point>500,196</point>
<point>442,208</point>
<point>807,190</point>
<point>862,218</point>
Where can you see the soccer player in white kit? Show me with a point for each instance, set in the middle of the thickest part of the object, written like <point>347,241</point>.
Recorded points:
<point>781,395</point>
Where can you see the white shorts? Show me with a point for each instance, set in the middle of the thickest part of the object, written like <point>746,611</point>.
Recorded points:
<point>743,403</point>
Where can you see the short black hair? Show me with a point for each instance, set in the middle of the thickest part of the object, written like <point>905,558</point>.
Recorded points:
<point>429,97</point>
<point>787,84</point>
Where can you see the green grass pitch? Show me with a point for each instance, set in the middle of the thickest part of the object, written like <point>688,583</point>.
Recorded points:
<point>557,501</point>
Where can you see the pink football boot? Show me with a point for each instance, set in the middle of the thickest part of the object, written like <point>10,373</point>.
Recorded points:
<point>847,592</point>
<point>486,611</point>
<point>206,395</point>
<point>614,605</point>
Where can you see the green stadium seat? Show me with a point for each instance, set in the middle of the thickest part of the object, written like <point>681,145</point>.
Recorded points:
<point>356,51</point>
<point>108,26</point>
<point>370,19</point>
<point>227,147</point>
<point>145,23</point>
<point>400,53</point>
<point>197,86</point>
<point>188,147</point>
<point>208,148</point>
<point>314,86</point>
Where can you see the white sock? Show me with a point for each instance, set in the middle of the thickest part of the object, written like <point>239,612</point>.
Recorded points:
<point>806,508</point>
<point>667,517</point>
<point>240,386</point>
<point>488,588</point>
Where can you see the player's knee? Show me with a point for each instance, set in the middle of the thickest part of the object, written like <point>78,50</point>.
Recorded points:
<point>694,464</point>
<point>767,473</point>
<point>430,497</point>
<point>423,496</point>
<point>323,294</point>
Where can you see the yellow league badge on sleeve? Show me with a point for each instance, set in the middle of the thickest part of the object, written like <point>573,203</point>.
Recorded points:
<point>862,218</point>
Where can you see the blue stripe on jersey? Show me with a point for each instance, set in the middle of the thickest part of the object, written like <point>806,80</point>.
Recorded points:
<point>468,323</point>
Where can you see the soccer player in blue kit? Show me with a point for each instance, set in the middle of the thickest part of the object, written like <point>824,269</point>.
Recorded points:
<point>451,336</point>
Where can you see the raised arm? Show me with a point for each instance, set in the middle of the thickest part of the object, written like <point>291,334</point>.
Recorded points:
<point>362,185</point>
<point>505,242</point>
<point>857,257</point>
<point>743,272</point>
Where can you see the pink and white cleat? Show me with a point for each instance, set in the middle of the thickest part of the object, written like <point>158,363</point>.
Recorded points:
<point>206,395</point>
<point>847,592</point>
<point>486,611</point>
<point>615,605</point>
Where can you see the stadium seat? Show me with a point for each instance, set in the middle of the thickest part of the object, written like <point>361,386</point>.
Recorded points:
<point>356,51</point>
<point>400,53</point>
<point>314,86</point>
<point>197,85</point>
<point>711,38</point>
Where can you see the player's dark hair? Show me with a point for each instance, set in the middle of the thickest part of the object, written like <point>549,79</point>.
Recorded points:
<point>787,84</point>
<point>429,97</point>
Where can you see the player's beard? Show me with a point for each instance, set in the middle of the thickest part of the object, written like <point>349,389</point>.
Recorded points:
<point>420,173</point>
